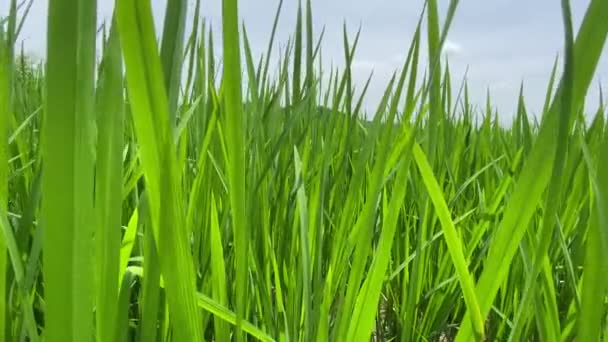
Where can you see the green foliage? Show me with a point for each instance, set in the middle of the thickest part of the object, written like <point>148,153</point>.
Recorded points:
<point>156,197</point>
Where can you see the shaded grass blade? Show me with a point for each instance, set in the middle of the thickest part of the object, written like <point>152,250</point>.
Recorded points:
<point>171,51</point>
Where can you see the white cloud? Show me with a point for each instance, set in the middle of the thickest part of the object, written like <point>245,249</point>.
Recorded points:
<point>451,48</point>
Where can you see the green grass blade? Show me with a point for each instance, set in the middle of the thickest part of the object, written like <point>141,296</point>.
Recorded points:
<point>67,183</point>
<point>19,270</point>
<point>370,294</point>
<point>594,285</point>
<point>218,272</point>
<point>235,137</point>
<point>121,333</point>
<point>228,316</point>
<point>126,246</point>
<point>310,49</point>
<point>302,204</point>
<point>153,128</point>
<point>108,189</point>
<point>171,51</point>
<point>275,23</point>
<point>5,113</point>
<point>297,57</point>
<point>453,242</point>
<point>151,293</point>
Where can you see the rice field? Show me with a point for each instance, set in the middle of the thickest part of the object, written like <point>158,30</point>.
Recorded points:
<point>157,193</point>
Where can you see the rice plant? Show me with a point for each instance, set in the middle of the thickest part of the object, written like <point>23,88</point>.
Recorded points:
<point>151,192</point>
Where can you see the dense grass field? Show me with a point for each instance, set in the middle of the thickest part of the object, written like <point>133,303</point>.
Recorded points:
<point>159,194</point>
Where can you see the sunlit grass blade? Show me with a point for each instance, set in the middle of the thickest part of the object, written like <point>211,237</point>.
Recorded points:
<point>108,188</point>
<point>228,316</point>
<point>153,128</point>
<point>453,242</point>
<point>235,129</point>
<point>361,328</point>
<point>302,204</point>
<point>67,184</point>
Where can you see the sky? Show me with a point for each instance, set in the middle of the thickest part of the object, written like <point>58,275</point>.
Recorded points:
<point>498,44</point>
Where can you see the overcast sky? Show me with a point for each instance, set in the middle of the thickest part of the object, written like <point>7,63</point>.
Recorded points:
<point>503,42</point>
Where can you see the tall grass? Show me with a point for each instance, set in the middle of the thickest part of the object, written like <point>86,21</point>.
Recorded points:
<point>163,195</point>
<point>67,156</point>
